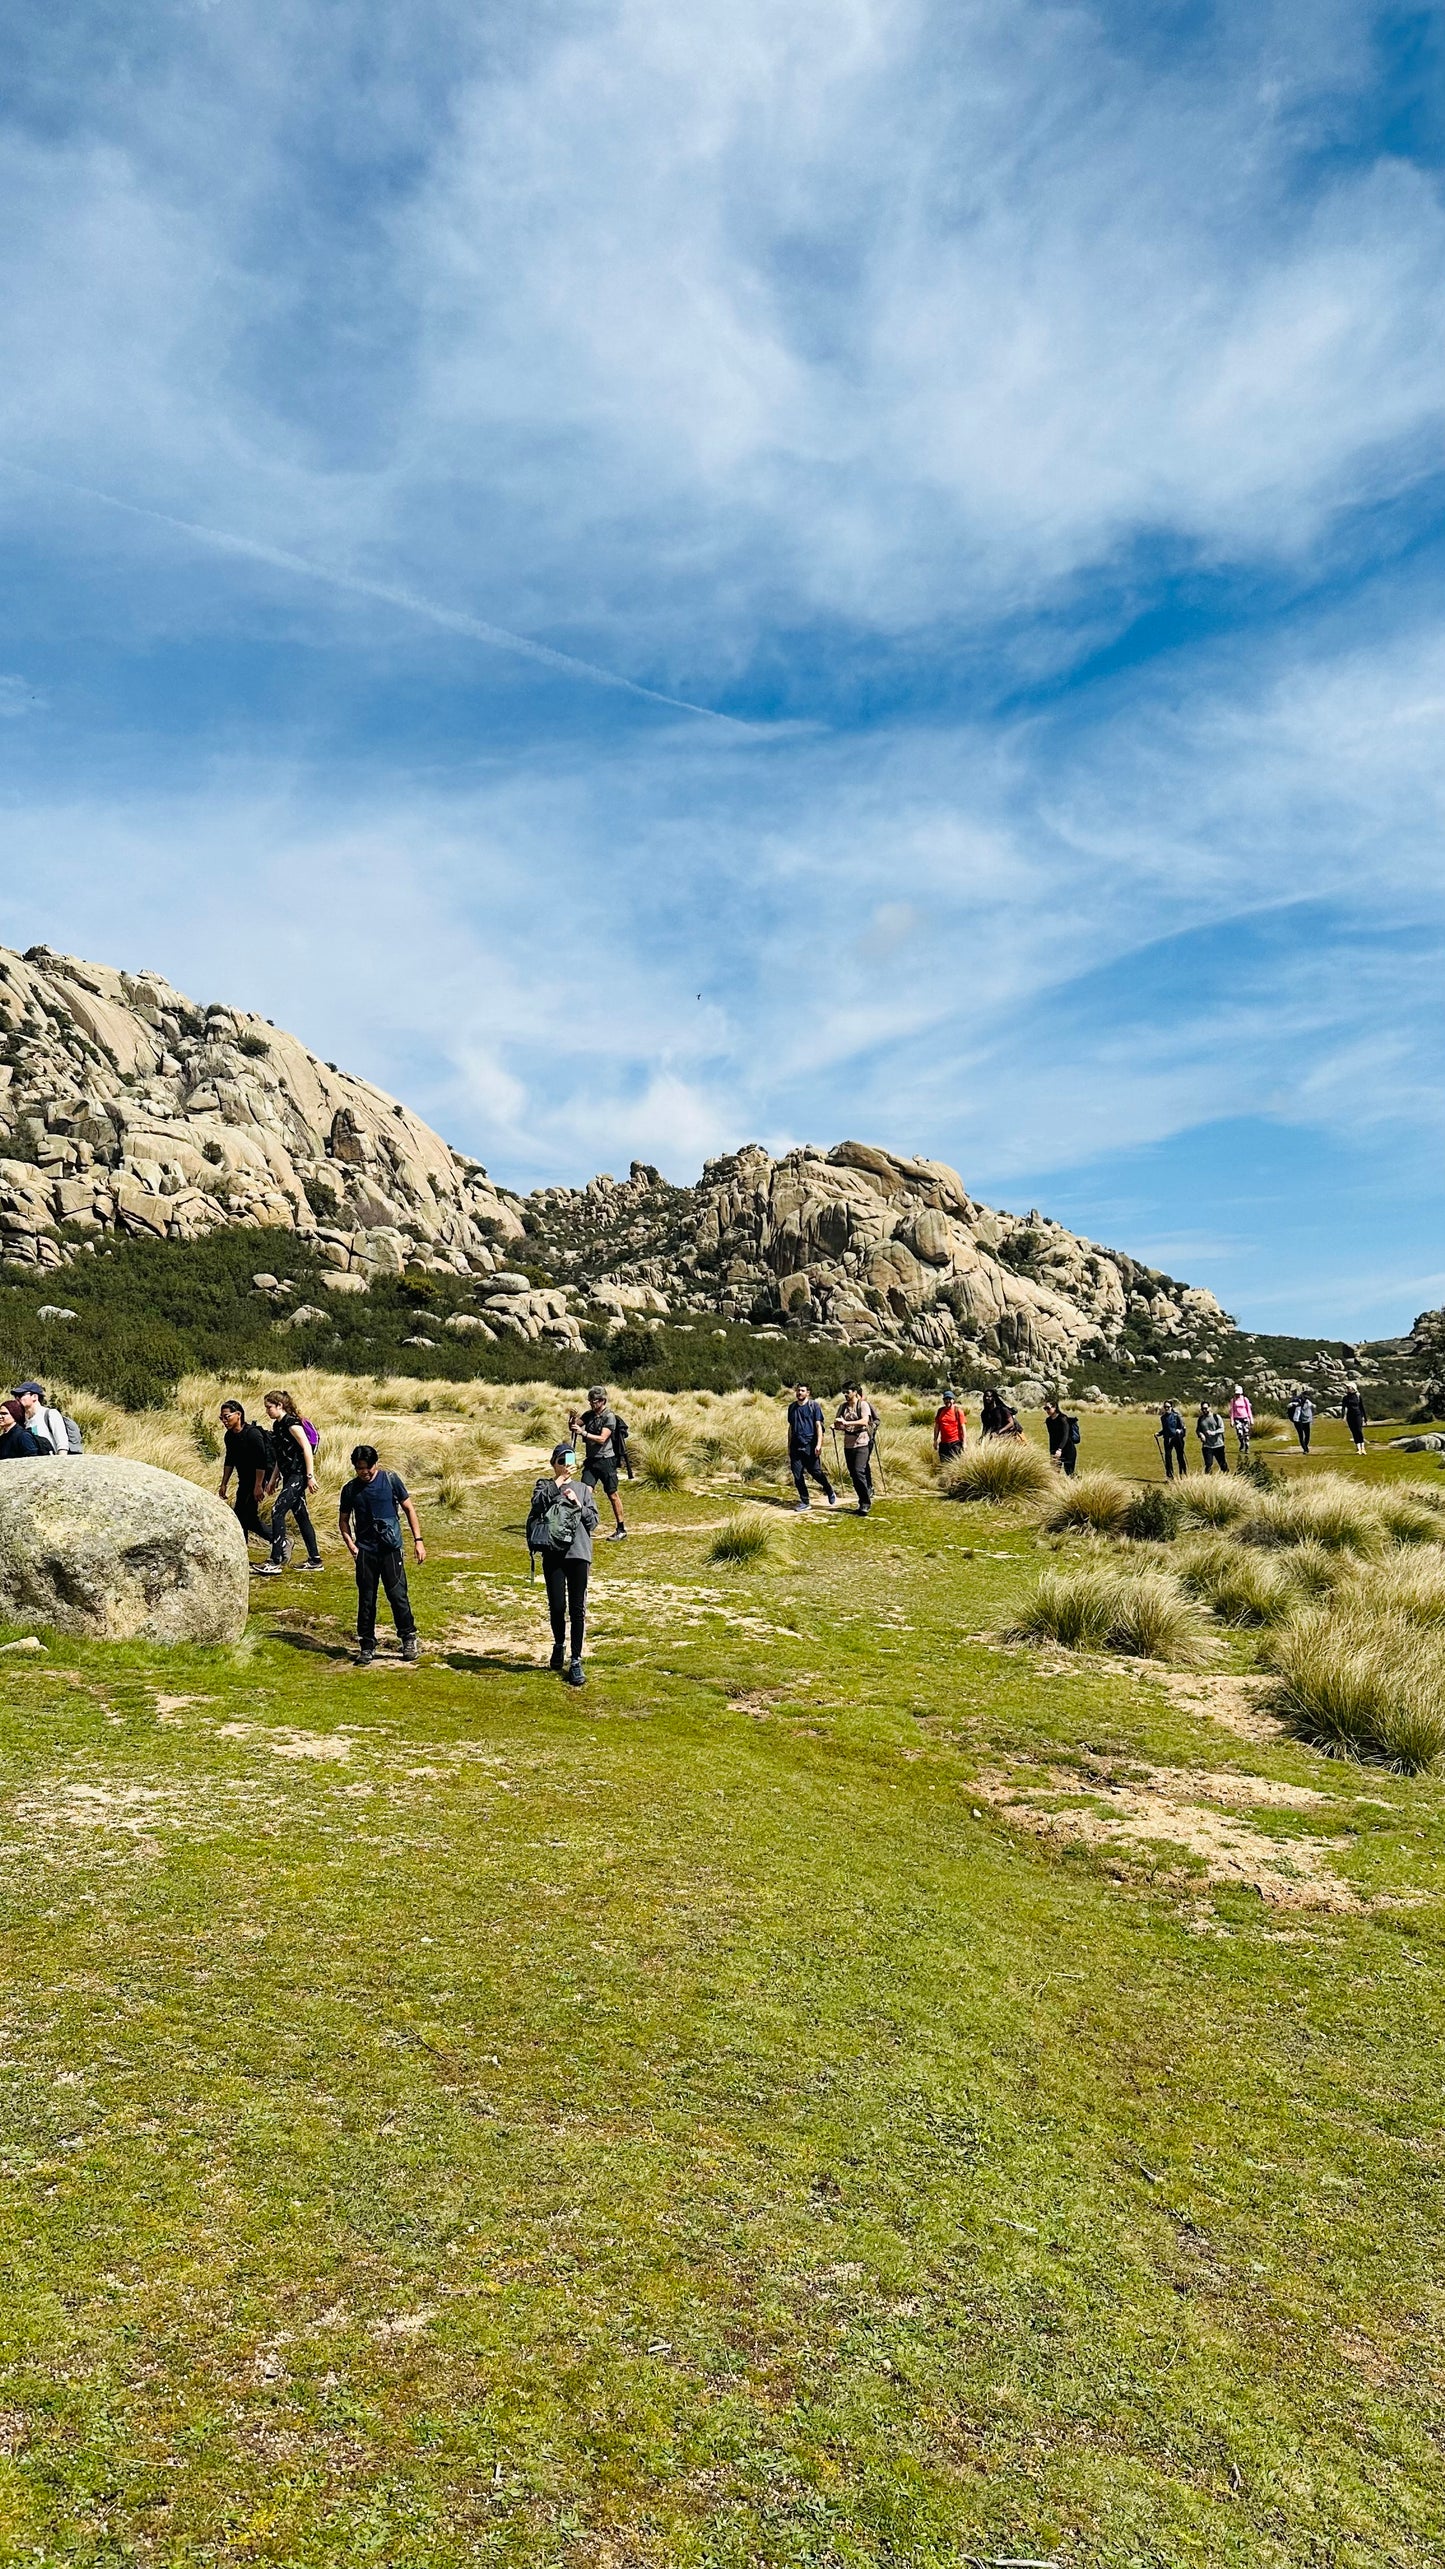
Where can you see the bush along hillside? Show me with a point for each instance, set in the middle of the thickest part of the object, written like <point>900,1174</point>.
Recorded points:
<point>130,1320</point>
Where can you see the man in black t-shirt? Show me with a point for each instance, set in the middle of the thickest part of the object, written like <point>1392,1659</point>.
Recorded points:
<point>373,1504</point>
<point>805,1447</point>
<point>250,1456</point>
<point>604,1452</point>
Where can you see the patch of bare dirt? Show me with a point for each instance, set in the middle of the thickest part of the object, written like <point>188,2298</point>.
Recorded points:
<point>1232,1699</point>
<point>1171,1807</point>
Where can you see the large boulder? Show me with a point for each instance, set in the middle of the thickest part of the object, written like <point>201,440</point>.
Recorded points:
<point>120,1552</point>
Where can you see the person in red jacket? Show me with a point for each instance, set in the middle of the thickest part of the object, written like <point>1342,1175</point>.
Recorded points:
<point>950,1429</point>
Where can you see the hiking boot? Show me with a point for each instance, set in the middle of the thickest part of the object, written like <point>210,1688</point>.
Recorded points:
<point>574,1674</point>
<point>411,1651</point>
<point>832,1498</point>
<point>558,1660</point>
<point>365,1658</point>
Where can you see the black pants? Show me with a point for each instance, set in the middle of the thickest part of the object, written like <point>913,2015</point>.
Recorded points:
<point>1215,1459</point>
<point>566,1599</point>
<point>291,1501</point>
<point>859,1459</point>
<point>798,1465</point>
<point>1302,1428</point>
<point>1068,1460</point>
<point>377,1568</point>
<point>1174,1453</point>
<point>248,1516</point>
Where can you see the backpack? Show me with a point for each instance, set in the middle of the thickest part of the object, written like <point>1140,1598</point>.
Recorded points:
<point>312,1434</point>
<point>550,1528</point>
<point>1071,1434</point>
<point>75,1442</point>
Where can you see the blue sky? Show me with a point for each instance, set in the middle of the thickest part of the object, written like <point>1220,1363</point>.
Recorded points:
<point>1015,427</point>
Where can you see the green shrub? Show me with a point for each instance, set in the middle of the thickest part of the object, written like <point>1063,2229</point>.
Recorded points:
<point>1154,1514</point>
<point>1364,1686</point>
<point>999,1470</point>
<point>742,1539</point>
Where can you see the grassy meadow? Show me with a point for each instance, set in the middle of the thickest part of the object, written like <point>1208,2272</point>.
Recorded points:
<point>855,2085</point>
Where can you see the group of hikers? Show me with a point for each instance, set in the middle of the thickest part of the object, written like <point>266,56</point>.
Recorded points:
<point>35,1427</point>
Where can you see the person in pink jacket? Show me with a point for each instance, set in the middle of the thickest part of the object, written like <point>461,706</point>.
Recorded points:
<point>1241,1419</point>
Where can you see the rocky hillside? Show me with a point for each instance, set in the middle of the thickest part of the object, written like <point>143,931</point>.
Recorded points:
<point>864,1247</point>
<point>126,1109</point>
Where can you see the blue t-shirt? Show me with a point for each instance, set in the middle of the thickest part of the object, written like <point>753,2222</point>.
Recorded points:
<point>805,1424</point>
<point>374,1508</point>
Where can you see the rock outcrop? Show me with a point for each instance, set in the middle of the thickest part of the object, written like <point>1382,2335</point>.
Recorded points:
<point>119,1552</point>
<point>862,1246</point>
<point>125,1108</point>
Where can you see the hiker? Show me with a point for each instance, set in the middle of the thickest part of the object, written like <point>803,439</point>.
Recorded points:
<point>1209,1428</point>
<point>1241,1419</point>
<point>51,1426</point>
<point>561,1522</point>
<point>950,1429</point>
<point>372,1507</point>
<point>1353,1414</point>
<point>1302,1419</point>
<point>293,1481</point>
<point>17,1444</point>
<point>998,1417</point>
<point>604,1449</point>
<point>249,1456</point>
<point>1171,1439</point>
<point>1063,1435</point>
<point>858,1420</point>
<point>805,1447</point>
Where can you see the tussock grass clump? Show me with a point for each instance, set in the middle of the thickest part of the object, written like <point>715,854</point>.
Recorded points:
<point>741,1540</point>
<point>1315,1572</point>
<point>1412,1584</point>
<point>999,1470</point>
<point>1406,1522</point>
<point>1365,1687</point>
<point>485,1446</point>
<point>1328,1511</point>
<point>1217,1501</point>
<point>757,1446</point>
<point>1094,1503</point>
<point>1154,1514</point>
<point>660,1455</point>
<point>540,1423</point>
<point>1144,1614</point>
<point>451,1489</point>
<point>1240,1585</point>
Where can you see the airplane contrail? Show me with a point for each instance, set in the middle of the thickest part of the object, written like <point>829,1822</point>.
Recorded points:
<point>451,619</point>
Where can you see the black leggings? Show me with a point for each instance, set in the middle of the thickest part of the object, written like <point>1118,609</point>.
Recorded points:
<point>290,1500</point>
<point>1174,1453</point>
<point>566,1599</point>
<point>1302,1428</point>
<point>859,1459</point>
<point>798,1464</point>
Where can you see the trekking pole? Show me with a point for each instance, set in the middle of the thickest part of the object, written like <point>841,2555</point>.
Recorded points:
<point>877,1456</point>
<point>1163,1457</point>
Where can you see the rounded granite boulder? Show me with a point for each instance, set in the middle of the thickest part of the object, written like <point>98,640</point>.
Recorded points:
<point>119,1551</point>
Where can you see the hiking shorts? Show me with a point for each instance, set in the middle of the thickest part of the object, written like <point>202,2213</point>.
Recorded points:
<point>600,1476</point>
<point>949,1449</point>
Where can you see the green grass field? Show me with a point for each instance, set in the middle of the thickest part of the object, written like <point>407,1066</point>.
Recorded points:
<point>843,2089</point>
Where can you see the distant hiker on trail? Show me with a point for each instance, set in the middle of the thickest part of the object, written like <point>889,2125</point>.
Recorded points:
<point>805,1447</point>
<point>561,1522</point>
<point>950,1429</point>
<point>372,1507</point>
<point>17,1444</point>
<point>1353,1414</point>
<point>51,1426</point>
<point>1241,1419</point>
<point>1302,1419</point>
<point>1209,1428</point>
<point>293,1481</point>
<point>1171,1440</point>
<point>604,1453</point>
<point>858,1420</point>
<point>1063,1435</point>
<point>249,1456</point>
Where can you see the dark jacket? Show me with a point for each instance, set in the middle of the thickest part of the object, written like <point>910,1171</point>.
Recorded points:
<point>544,1494</point>
<point>17,1445</point>
<point>1063,1432</point>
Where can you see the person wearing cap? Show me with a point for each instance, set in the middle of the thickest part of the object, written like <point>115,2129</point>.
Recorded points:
<point>17,1444</point>
<point>561,1522</point>
<point>43,1422</point>
<point>950,1428</point>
